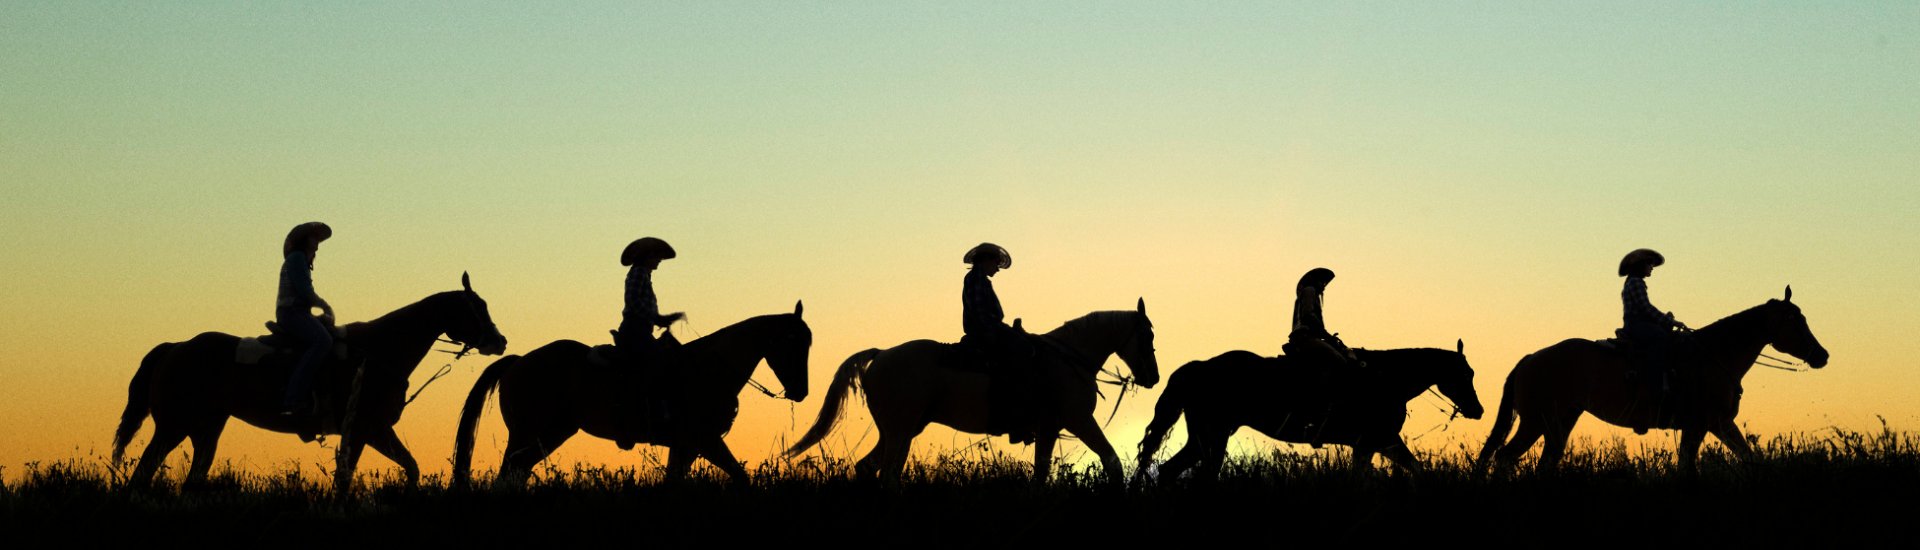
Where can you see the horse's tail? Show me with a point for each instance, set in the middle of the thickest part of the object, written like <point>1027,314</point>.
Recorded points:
<point>1166,411</point>
<point>847,378</point>
<point>470,417</point>
<point>137,394</point>
<point>1502,416</point>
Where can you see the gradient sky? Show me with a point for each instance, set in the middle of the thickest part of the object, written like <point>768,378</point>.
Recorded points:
<point>1471,170</point>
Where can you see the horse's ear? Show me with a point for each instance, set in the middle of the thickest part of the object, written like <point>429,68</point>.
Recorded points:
<point>1789,294</point>
<point>798,307</point>
<point>1143,305</point>
<point>465,283</point>
<point>1460,346</point>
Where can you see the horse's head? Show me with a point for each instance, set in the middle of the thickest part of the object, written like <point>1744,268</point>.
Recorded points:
<point>787,350</point>
<point>1787,331</point>
<point>1456,382</point>
<point>470,325</point>
<point>1137,349</point>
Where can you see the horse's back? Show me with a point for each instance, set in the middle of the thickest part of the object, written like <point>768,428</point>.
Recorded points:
<point>1567,372</point>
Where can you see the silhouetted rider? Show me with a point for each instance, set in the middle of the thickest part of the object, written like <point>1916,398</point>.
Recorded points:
<point>1650,329</point>
<point>635,336</point>
<point>293,312</point>
<point>1309,339</point>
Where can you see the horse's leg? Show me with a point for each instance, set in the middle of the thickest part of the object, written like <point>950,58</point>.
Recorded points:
<point>680,461</point>
<point>1530,429</point>
<point>1730,435</point>
<point>870,464</point>
<point>893,459</point>
<point>1402,457</point>
<point>206,441</point>
<point>1043,458</point>
<point>1689,451</point>
<point>524,451</point>
<point>1362,462</point>
<point>388,445</point>
<point>1088,430</point>
<point>1559,428</point>
<point>1185,458</point>
<point>345,460</point>
<point>165,438</point>
<point>717,452</point>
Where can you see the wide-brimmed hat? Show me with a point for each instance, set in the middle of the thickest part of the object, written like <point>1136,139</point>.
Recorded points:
<point>1317,278</point>
<point>646,248</point>
<point>1638,259</point>
<point>989,253</point>
<point>297,238</point>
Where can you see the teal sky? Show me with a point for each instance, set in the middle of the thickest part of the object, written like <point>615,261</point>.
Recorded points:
<point>1471,169</point>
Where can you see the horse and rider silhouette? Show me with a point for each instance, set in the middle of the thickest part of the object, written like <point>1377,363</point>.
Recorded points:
<point>997,380</point>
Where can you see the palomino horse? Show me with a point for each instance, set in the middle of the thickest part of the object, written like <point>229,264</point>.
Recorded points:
<point>558,390</point>
<point>913,384</point>
<point>1552,387</point>
<point>191,388</point>
<point>1363,409</point>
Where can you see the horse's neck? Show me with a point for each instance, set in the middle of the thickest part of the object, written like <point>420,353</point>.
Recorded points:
<point>1406,377</point>
<point>1089,346</point>
<point>398,340</point>
<point>1734,343</point>
<point>724,360</point>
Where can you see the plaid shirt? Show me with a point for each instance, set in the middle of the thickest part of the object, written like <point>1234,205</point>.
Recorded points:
<point>642,306</point>
<point>979,307</point>
<point>1639,310</point>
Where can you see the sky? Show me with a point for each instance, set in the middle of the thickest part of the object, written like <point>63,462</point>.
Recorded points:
<point>1472,170</point>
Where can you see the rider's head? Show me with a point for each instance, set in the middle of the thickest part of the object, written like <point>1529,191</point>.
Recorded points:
<point>1317,278</point>
<point>1640,263</point>
<point>646,252</point>
<point>306,238</point>
<point>989,257</point>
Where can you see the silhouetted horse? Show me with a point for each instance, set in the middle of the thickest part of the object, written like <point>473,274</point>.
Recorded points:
<point>915,383</point>
<point>1552,387</point>
<point>191,387</point>
<point>556,391</point>
<point>1362,408</point>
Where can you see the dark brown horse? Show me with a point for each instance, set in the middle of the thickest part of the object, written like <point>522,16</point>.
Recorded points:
<point>557,391</point>
<point>1361,408</point>
<point>1551,388</point>
<point>191,388</point>
<point>913,384</point>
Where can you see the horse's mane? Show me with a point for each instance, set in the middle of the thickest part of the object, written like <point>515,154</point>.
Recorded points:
<point>401,313</point>
<point>1092,321</point>
<point>729,332</point>
<point>1741,319</point>
<point>1401,358</point>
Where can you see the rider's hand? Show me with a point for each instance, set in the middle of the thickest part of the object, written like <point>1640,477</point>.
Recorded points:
<point>676,316</point>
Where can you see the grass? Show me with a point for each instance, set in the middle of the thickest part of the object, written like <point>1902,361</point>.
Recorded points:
<point>1824,488</point>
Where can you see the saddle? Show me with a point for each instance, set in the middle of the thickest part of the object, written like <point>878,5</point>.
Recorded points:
<point>1013,380</point>
<point>648,377</point>
<point>1658,389</point>
<point>257,349</point>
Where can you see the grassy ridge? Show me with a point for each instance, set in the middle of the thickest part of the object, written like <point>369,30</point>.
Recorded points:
<point>1815,488</point>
